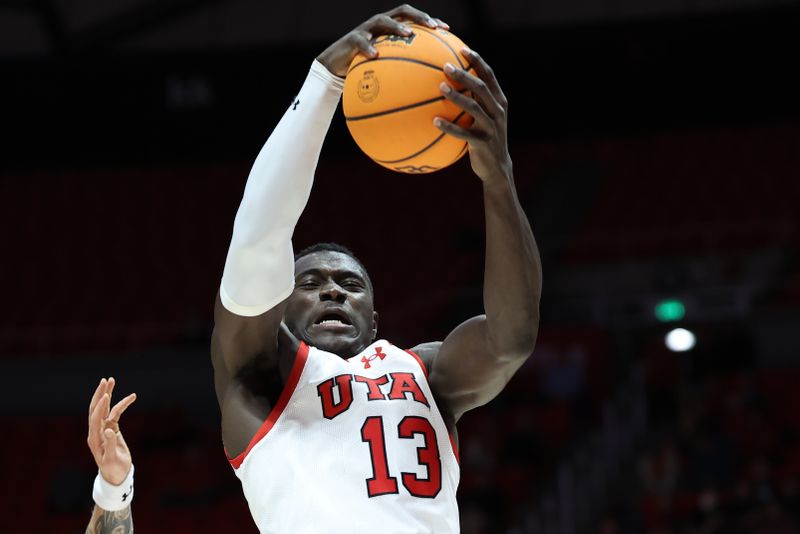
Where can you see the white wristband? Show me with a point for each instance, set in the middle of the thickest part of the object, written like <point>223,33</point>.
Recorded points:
<point>113,498</point>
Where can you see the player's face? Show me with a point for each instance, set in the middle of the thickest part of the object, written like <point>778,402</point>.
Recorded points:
<point>331,307</point>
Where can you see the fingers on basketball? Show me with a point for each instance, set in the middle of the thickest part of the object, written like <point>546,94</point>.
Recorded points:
<point>390,102</point>
<point>407,12</point>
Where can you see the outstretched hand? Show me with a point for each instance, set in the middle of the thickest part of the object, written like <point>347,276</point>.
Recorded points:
<point>486,103</point>
<point>105,440</point>
<point>339,55</point>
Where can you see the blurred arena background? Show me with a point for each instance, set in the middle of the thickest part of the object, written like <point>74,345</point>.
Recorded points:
<point>657,152</point>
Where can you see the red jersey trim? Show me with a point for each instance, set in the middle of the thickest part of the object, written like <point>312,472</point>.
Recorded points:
<point>419,361</point>
<point>277,410</point>
<point>425,370</point>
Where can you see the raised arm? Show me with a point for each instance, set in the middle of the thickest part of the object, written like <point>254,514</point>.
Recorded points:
<point>113,488</point>
<point>259,269</point>
<point>479,357</point>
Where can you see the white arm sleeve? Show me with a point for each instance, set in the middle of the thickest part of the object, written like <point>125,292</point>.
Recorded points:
<point>259,269</point>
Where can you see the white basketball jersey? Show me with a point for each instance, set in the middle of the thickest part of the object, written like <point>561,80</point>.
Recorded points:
<point>353,446</point>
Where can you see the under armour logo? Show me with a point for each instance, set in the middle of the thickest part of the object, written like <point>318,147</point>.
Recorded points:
<point>296,103</point>
<point>367,359</point>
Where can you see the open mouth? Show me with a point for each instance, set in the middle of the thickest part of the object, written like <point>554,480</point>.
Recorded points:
<point>333,318</point>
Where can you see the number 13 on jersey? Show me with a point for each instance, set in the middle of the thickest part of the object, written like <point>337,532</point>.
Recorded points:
<point>382,483</point>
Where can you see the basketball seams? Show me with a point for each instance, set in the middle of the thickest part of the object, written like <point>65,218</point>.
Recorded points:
<point>425,149</point>
<point>415,154</point>
<point>456,55</point>
<point>397,110</point>
<point>397,58</point>
<point>445,43</point>
<point>394,110</point>
<point>460,153</point>
<point>376,131</point>
<point>468,67</point>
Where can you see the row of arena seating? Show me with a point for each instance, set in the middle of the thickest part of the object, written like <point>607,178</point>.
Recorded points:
<point>692,193</point>
<point>110,258</point>
<point>732,462</point>
<point>127,257</point>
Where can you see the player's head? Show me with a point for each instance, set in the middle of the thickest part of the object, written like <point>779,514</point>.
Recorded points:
<point>332,306</point>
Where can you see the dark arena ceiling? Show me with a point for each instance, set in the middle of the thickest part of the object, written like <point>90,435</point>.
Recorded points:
<point>568,67</point>
<point>37,28</point>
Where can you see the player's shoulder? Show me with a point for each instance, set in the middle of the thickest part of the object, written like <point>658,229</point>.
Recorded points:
<point>427,352</point>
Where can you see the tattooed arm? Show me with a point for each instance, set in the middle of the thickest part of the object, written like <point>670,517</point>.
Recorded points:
<point>103,522</point>
<point>111,454</point>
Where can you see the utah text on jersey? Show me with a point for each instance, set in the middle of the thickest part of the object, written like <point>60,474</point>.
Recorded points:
<point>354,445</point>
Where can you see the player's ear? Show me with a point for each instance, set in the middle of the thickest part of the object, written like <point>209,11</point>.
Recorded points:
<point>374,325</point>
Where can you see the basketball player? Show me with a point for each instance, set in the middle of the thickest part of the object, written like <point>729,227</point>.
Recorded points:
<point>328,427</point>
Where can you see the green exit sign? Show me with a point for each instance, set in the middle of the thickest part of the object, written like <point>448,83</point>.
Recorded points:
<point>670,310</point>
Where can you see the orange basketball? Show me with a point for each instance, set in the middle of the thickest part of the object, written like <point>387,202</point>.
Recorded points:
<point>390,101</point>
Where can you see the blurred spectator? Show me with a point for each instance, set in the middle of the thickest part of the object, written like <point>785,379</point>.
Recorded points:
<point>608,525</point>
<point>710,457</point>
<point>563,374</point>
<point>660,469</point>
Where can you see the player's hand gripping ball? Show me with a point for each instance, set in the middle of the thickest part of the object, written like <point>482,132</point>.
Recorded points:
<point>390,101</point>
